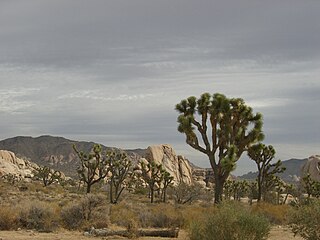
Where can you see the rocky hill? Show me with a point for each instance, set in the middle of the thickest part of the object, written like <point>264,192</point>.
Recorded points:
<point>55,152</point>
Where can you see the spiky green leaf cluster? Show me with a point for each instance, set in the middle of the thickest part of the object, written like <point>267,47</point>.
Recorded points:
<point>232,124</point>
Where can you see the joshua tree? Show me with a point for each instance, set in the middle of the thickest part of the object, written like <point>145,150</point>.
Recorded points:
<point>47,175</point>
<point>167,181</point>
<point>220,128</point>
<point>253,191</point>
<point>311,186</point>
<point>235,188</point>
<point>119,165</point>
<point>266,179</point>
<point>152,175</point>
<point>93,167</point>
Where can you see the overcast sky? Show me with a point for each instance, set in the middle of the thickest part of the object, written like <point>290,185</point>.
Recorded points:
<point>111,71</point>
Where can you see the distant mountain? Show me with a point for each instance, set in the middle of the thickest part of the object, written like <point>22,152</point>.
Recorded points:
<point>292,173</point>
<point>56,152</point>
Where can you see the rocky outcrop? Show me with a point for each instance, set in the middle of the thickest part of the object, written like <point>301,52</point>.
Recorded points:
<point>312,167</point>
<point>203,176</point>
<point>10,164</point>
<point>178,166</point>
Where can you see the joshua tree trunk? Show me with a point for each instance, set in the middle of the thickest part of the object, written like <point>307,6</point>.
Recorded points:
<point>218,190</point>
<point>88,188</point>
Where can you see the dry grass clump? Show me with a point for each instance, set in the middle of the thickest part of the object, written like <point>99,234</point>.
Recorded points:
<point>164,216</point>
<point>276,214</point>
<point>8,218</point>
<point>124,214</point>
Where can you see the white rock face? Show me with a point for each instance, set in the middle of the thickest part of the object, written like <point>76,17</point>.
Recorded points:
<point>312,167</point>
<point>10,164</point>
<point>177,166</point>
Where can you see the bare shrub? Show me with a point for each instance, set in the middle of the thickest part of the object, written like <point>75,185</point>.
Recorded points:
<point>39,216</point>
<point>72,216</point>
<point>88,212</point>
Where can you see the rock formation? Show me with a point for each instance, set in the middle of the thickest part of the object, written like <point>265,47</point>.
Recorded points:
<point>11,165</point>
<point>203,176</point>
<point>176,165</point>
<point>312,167</point>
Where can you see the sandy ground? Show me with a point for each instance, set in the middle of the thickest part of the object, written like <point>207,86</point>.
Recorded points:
<point>277,233</point>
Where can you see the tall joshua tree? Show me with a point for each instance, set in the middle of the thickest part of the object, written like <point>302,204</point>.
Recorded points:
<point>266,179</point>
<point>220,128</point>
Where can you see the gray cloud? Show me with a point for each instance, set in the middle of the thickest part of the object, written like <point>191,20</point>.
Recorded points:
<point>112,71</point>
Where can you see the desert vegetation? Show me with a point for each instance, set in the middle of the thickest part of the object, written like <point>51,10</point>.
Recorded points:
<point>111,192</point>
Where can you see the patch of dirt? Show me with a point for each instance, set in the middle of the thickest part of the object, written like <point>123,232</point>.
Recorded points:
<point>282,233</point>
<point>277,233</point>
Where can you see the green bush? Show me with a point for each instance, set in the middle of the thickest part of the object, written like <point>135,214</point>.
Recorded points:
<point>304,220</point>
<point>230,221</point>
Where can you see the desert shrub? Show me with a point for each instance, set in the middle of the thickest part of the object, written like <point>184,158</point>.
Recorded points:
<point>39,216</point>
<point>194,213</point>
<point>164,216</point>
<point>88,212</point>
<point>124,214</point>
<point>276,214</point>
<point>146,215</point>
<point>72,216</point>
<point>304,220</point>
<point>230,221</point>
<point>8,218</point>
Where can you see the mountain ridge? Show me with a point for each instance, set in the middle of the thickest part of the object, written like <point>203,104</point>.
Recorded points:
<point>54,151</point>
<point>293,170</point>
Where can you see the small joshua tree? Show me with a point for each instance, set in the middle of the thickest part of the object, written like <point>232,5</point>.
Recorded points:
<point>311,186</point>
<point>119,166</point>
<point>167,181</point>
<point>237,189</point>
<point>93,166</point>
<point>266,179</point>
<point>152,175</point>
<point>47,175</point>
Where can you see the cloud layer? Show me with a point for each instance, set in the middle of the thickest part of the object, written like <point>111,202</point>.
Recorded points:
<point>112,71</point>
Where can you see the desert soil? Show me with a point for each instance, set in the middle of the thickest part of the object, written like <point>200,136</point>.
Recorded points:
<point>277,233</point>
